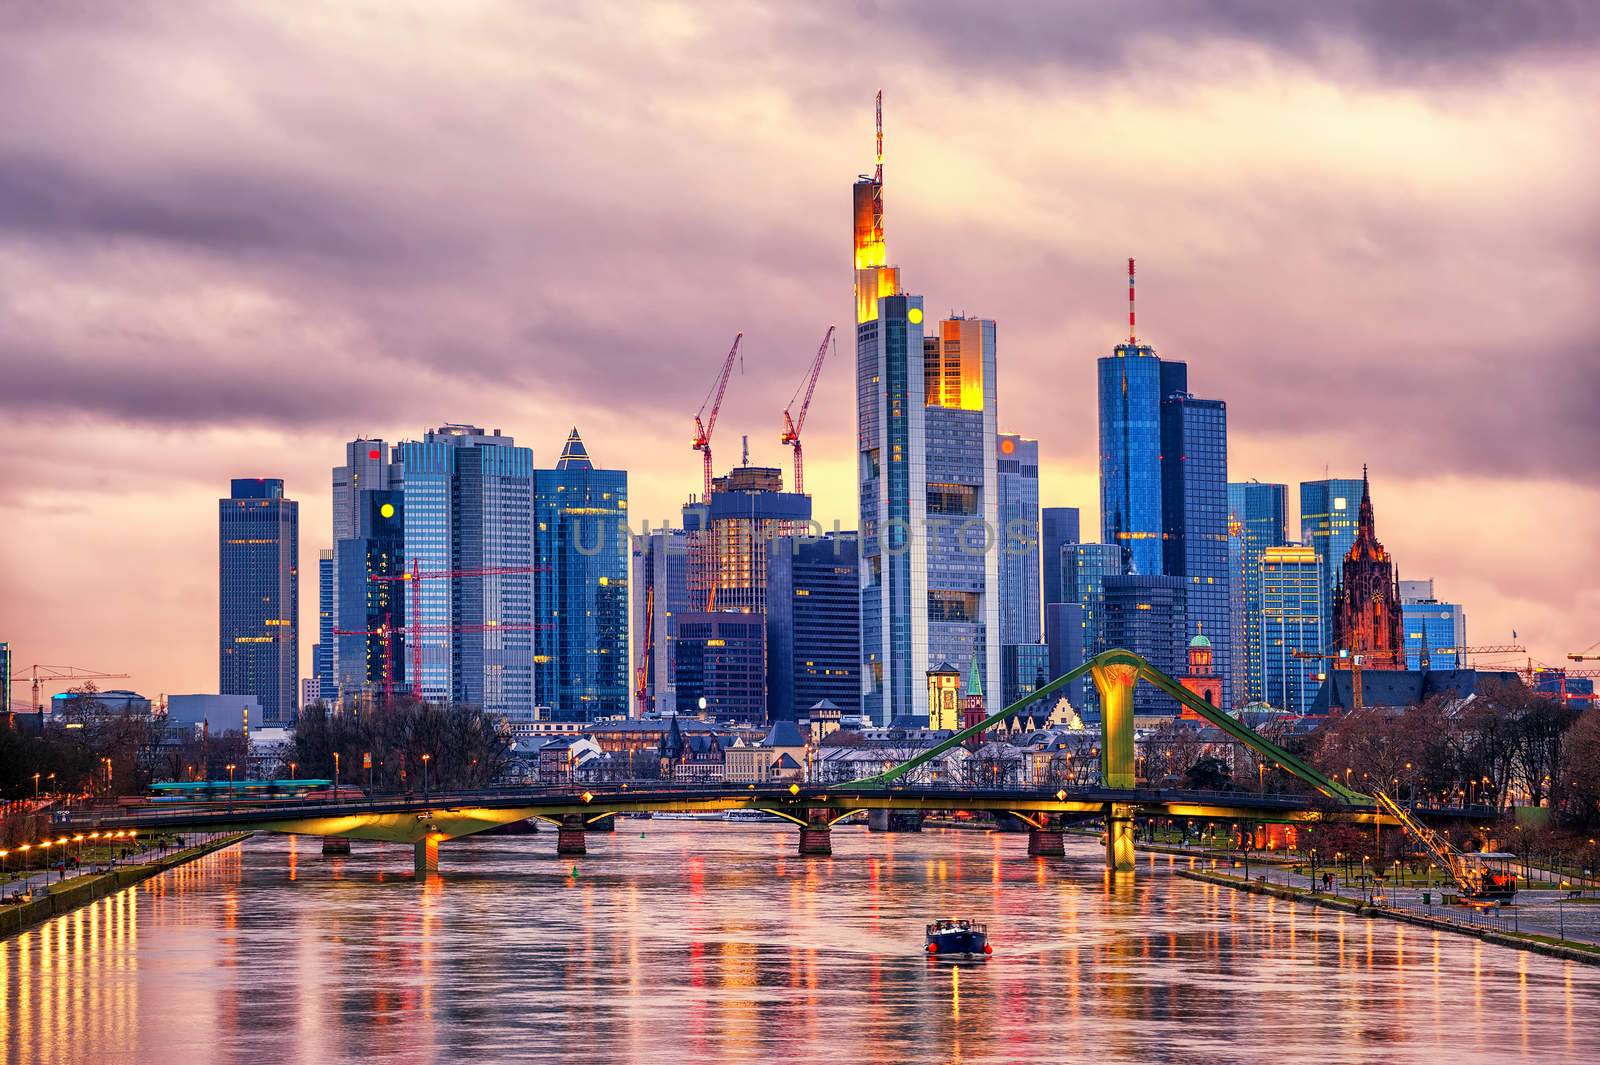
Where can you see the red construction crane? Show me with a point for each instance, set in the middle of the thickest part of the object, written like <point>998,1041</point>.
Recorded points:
<point>793,425</point>
<point>641,677</point>
<point>704,428</point>
<point>56,673</point>
<point>414,605</point>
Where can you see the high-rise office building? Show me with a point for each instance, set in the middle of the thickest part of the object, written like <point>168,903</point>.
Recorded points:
<point>1024,669</point>
<point>370,638</point>
<point>1148,616</point>
<point>581,664</point>
<point>1064,635</point>
<point>721,665</point>
<point>928,498</point>
<point>5,678</point>
<point>1328,527</point>
<point>1084,570</point>
<point>813,624</point>
<point>1428,626</point>
<point>322,650</point>
<point>368,466</point>
<point>1194,510</point>
<point>1058,526</point>
<point>1290,580</point>
<point>1130,383</point>
<point>1258,518</point>
<point>469,511</point>
<point>259,596</point>
<point>1017,538</point>
<point>660,594</point>
<point>729,534</point>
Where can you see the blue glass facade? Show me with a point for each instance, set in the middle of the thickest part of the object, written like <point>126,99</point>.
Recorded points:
<point>1328,526</point>
<point>1291,620</point>
<point>1194,507</point>
<point>370,630</point>
<point>1018,482</point>
<point>258,571</point>
<point>660,594</point>
<point>367,466</point>
<point>1058,526</point>
<point>469,507</point>
<point>322,651</point>
<point>721,667</point>
<point>893,483</point>
<point>1258,518</point>
<point>1024,669</point>
<point>1432,625</point>
<point>813,624</point>
<point>1130,383</point>
<point>581,659</point>
<point>1083,582</point>
<point>1148,616</point>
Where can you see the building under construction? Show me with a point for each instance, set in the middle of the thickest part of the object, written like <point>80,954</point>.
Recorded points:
<point>729,533</point>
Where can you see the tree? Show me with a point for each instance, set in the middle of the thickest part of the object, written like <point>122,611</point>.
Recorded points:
<point>1209,774</point>
<point>1580,772</point>
<point>466,747</point>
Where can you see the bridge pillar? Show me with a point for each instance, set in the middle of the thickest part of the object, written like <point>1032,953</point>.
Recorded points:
<point>569,837</point>
<point>335,845</point>
<point>427,856</point>
<point>816,837</point>
<point>1046,841</point>
<point>894,820</point>
<point>1115,684</point>
<point>1119,838</point>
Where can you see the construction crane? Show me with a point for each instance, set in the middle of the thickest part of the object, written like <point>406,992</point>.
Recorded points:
<point>1585,655</point>
<point>1462,653</point>
<point>414,609</point>
<point>793,425</point>
<point>705,425</point>
<point>641,677</point>
<point>1476,881</point>
<point>39,675</point>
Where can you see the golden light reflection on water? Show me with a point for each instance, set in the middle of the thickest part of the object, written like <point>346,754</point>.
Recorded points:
<point>712,942</point>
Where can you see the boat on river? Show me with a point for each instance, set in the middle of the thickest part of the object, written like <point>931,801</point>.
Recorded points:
<point>958,939</point>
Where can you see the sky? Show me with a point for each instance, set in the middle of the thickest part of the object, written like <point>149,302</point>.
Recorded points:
<point>235,235</point>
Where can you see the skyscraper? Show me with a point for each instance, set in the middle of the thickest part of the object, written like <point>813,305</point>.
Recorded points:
<point>581,550</point>
<point>1017,538</point>
<point>1058,526</point>
<point>367,467</point>
<point>1084,571</point>
<point>259,596</point>
<point>1258,518</point>
<point>1366,605</point>
<point>729,534</point>
<point>813,624</point>
<point>1194,509</point>
<point>926,434</point>
<point>370,638</point>
<point>1130,455</point>
<point>1290,580</point>
<point>722,665</point>
<point>1328,526</point>
<point>1148,616</point>
<point>660,595</point>
<point>1427,626</point>
<point>322,650</point>
<point>469,511</point>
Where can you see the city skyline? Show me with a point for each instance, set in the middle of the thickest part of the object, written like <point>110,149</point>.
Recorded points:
<point>309,301</point>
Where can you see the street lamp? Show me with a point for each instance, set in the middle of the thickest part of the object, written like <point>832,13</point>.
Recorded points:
<point>293,766</point>
<point>230,787</point>
<point>426,758</point>
<point>36,787</point>
<point>335,776</point>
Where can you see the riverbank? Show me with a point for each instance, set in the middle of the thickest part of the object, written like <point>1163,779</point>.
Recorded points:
<point>82,890</point>
<point>1546,945</point>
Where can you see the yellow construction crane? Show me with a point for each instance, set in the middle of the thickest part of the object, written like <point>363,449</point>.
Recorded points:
<point>1462,653</point>
<point>38,675</point>
<point>1346,660</point>
<point>1476,880</point>
<point>1585,655</point>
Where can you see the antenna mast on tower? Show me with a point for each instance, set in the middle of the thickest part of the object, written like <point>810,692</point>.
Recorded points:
<point>1132,337</point>
<point>877,176</point>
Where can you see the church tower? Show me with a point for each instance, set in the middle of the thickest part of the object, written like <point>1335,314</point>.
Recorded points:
<point>1366,605</point>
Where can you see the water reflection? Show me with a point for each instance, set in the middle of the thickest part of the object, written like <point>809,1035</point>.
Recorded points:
<point>712,942</point>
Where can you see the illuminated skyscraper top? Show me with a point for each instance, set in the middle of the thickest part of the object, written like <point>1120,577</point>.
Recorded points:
<point>874,276</point>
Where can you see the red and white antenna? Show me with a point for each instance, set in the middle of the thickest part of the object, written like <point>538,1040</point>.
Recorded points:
<point>1132,337</point>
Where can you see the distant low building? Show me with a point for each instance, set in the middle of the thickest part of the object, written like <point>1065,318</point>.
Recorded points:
<point>217,713</point>
<point>116,701</point>
<point>1401,689</point>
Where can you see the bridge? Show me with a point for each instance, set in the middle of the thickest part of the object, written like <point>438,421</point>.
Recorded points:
<point>426,821</point>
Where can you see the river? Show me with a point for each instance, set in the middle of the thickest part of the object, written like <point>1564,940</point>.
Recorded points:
<point>701,942</point>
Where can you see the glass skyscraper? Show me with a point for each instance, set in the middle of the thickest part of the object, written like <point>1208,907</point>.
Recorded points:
<point>1018,538</point>
<point>1058,526</point>
<point>259,597</point>
<point>1258,518</point>
<point>660,594</point>
<point>1130,455</point>
<point>1427,625</point>
<point>1194,509</point>
<point>370,637</point>
<point>322,651</point>
<point>1328,526</point>
<point>1084,571</point>
<point>1291,620</point>
<point>1148,616</point>
<point>581,666</point>
<point>469,511</point>
<point>368,466</point>
<point>813,624</point>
